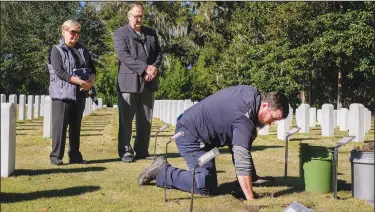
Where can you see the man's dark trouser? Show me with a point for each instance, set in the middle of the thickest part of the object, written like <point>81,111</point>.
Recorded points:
<point>205,176</point>
<point>140,104</point>
<point>64,113</point>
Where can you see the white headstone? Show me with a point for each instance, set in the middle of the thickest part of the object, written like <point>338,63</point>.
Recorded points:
<point>85,111</point>
<point>100,102</point>
<point>356,122</point>
<point>104,106</point>
<point>264,130</point>
<point>155,109</point>
<point>298,117</point>
<point>114,106</point>
<point>319,116</point>
<point>13,99</point>
<point>41,113</point>
<point>22,108</point>
<point>164,115</point>
<point>30,102</point>
<point>338,117</point>
<point>36,106</point>
<point>327,120</point>
<point>163,110</point>
<point>8,139</point>
<point>366,115</point>
<point>91,109</point>
<point>343,114</point>
<point>369,120</point>
<point>290,115</point>
<point>312,122</point>
<point>3,98</point>
<point>304,110</point>
<point>282,129</point>
<point>180,107</point>
<point>169,112</point>
<point>47,118</point>
<point>174,112</point>
<point>187,103</point>
<point>335,118</point>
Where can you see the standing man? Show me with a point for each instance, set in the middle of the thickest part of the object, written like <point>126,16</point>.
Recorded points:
<point>139,56</point>
<point>226,118</point>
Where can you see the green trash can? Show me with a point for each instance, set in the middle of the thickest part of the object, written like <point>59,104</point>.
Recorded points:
<point>316,168</point>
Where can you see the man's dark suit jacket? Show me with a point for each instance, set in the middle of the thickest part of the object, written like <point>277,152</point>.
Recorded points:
<point>133,59</point>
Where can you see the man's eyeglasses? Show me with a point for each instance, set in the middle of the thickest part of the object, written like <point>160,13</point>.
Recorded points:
<point>74,32</point>
<point>138,17</point>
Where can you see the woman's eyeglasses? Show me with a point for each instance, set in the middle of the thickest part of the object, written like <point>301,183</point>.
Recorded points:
<point>74,32</point>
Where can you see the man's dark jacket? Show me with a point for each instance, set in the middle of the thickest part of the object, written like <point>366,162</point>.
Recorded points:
<point>228,117</point>
<point>134,54</point>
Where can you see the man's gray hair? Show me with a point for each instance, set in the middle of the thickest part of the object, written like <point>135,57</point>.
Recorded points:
<point>135,4</point>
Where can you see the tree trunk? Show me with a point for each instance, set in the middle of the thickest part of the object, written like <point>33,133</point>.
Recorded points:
<point>302,97</point>
<point>339,90</point>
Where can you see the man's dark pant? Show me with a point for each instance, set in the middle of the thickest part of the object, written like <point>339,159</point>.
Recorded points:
<point>140,104</point>
<point>205,176</point>
<point>64,113</point>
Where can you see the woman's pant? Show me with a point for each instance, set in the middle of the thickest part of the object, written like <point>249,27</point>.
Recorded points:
<point>64,113</point>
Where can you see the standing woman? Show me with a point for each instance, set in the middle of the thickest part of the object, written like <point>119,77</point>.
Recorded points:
<point>72,74</point>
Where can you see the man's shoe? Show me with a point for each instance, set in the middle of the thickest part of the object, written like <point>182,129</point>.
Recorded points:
<point>127,158</point>
<point>57,162</point>
<point>78,162</point>
<point>149,174</point>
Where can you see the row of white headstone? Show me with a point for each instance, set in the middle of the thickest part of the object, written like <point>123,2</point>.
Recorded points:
<point>35,105</point>
<point>8,127</point>
<point>356,120</point>
<point>168,110</point>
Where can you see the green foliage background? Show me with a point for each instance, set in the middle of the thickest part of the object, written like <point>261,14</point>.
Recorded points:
<point>300,48</point>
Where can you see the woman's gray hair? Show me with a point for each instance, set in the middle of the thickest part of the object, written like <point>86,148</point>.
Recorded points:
<point>68,24</point>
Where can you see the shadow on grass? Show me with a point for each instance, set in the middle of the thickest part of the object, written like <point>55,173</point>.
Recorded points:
<point>253,148</point>
<point>302,139</point>
<point>30,125</point>
<point>91,134</point>
<point>94,129</point>
<point>294,184</point>
<point>21,133</point>
<point>31,172</point>
<point>177,200</point>
<point>27,128</point>
<point>162,136</point>
<point>74,191</point>
<point>104,160</point>
<point>98,114</point>
<point>95,122</point>
<point>93,125</point>
<point>343,186</point>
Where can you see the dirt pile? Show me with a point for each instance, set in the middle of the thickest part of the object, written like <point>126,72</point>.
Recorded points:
<point>366,148</point>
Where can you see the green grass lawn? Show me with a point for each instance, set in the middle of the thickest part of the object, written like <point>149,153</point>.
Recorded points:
<point>107,184</point>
